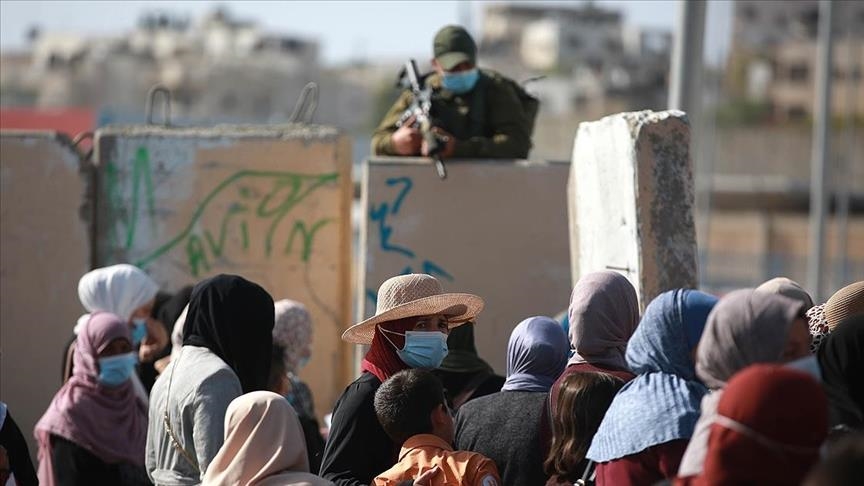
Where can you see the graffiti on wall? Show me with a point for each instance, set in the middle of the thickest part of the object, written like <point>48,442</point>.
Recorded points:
<point>244,200</point>
<point>381,221</point>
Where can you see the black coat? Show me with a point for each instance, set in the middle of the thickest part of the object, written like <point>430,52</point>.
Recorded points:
<point>357,449</point>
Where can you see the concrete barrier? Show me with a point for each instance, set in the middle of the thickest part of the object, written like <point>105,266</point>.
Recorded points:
<point>496,228</point>
<point>631,201</point>
<point>269,203</point>
<point>44,250</point>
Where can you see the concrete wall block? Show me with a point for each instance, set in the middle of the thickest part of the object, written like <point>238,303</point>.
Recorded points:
<point>631,200</point>
<point>269,203</point>
<point>44,250</point>
<point>496,228</point>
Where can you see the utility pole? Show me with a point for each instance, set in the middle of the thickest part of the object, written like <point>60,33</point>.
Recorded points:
<point>821,152</point>
<point>685,81</point>
<point>685,94</point>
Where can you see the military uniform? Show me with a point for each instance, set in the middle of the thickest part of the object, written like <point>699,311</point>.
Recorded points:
<point>487,122</point>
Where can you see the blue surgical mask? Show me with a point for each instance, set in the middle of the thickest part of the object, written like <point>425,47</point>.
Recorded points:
<point>139,330</point>
<point>422,349</point>
<point>303,362</point>
<point>116,370</point>
<point>461,82</point>
<point>809,365</point>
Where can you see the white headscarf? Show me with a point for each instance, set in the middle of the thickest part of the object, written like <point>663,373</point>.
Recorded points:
<point>118,289</point>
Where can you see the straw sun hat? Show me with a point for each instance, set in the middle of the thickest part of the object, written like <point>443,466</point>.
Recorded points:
<point>414,295</point>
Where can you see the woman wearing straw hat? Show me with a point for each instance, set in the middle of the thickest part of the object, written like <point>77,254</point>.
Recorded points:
<point>409,330</point>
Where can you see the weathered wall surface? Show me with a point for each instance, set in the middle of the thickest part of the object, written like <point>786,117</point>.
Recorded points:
<point>631,201</point>
<point>494,228</point>
<point>44,250</point>
<point>271,204</point>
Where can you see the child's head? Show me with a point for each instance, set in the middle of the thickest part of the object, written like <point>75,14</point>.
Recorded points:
<point>412,402</point>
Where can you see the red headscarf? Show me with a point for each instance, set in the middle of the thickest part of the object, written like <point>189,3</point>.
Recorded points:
<point>772,421</point>
<point>381,360</point>
<point>108,421</point>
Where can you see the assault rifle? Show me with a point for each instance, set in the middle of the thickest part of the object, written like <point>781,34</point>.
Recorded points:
<point>419,110</point>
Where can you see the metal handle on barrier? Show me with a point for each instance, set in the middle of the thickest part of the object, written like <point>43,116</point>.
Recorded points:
<point>166,107</point>
<point>80,138</point>
<point>306,105</point>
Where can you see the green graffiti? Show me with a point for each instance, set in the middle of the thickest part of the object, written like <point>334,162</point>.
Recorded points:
<point>285,192</point>
<point>196,255</point>
<point>141,173</point>
<point>307,234</point>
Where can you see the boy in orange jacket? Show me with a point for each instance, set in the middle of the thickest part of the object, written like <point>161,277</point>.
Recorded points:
<point>413,411</point>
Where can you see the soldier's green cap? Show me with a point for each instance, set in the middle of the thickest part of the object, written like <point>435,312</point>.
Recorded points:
<point>454,45</point>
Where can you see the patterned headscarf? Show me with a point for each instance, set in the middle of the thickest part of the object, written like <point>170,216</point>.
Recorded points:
<point>293,333</point>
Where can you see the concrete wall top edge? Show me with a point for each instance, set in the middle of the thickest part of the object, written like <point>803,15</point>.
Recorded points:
<point>60,137</point>
<point>384,160</point>
<point>282,131</point>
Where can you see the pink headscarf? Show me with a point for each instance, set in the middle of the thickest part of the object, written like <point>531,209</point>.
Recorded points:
<point>108,421</point>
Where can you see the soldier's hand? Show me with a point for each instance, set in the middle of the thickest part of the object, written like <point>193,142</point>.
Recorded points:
<point>448,140</point>
<point>407,140</point>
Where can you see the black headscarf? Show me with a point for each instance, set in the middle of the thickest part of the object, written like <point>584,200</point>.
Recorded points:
<point>462,356</point>
<point>233,318</point>
<point>169,310</point>
<point>841,358</point>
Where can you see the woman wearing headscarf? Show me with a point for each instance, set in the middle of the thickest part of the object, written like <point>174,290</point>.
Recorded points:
<point>263,445</point>
<point>463,372</point>
<point>505,426</point>
<point>603,313</point>
<point>841,359</point>
<point>646,429</point>
<point>292,340</point>
<point>824,318</point>
<point>769,427</point>
<point>585,397</point>
<point>95,427</point>
<point>745,327</point>
<point>409,330</point>
<point>126,291</point>
<point>166,310</point>
<point>227,342</point>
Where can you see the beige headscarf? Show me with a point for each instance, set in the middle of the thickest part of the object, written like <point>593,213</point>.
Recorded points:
<point>264,445</point>
<point>746,327</point>
<point>603,313</point>
<point>787,288</point>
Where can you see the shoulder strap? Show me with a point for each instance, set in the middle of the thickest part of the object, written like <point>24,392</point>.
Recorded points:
<point>166,422</point>
<point>589,476</point>
<point>477,113</point>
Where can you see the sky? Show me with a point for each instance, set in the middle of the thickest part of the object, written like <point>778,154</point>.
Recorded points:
<point>346,30</point>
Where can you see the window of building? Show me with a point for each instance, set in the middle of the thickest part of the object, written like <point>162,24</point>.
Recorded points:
<point>799,73</point>
<point>796,112</point>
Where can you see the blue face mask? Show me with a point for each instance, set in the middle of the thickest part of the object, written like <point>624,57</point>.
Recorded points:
<point>116,370</point>
<point>139,330</point>
<point>809,365</point>
<point>422,349</point>
<point>461,82</point>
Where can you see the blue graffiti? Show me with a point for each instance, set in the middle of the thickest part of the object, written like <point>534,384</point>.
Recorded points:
<point>379,215</point>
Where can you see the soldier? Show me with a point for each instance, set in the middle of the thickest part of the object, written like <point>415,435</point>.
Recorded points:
<point>477,112</point>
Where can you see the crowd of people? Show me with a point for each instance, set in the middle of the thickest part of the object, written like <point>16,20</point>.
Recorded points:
<point>697,390</point>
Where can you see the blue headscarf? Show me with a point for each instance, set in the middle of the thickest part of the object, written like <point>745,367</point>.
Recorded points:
<point>536,355</point>
<point>662,402</point>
